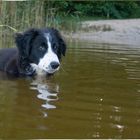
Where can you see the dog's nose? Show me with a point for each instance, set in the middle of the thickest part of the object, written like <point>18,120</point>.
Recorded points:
<point>54,65</point>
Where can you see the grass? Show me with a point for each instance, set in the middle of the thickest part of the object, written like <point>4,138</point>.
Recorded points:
<point>18,16</point>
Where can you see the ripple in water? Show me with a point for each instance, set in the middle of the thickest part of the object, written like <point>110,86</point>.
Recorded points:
<point>130,60</point>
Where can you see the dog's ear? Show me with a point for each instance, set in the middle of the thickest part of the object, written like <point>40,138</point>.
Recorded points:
<point>62,46</point>
<point>61,43</point>
<point>24,41</point>
<point>19,42</point>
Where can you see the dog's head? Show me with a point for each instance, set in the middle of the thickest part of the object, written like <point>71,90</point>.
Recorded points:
<point>40,49</point>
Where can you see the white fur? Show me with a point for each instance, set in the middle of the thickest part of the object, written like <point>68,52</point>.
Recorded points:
<point>44,63</point>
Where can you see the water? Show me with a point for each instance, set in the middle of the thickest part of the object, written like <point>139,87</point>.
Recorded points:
<point>96,94</point>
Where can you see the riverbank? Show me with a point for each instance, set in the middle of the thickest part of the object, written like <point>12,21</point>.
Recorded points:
<point>109,31</point>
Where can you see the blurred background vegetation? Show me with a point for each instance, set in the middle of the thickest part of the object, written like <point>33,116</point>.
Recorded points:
<point>62,14</point>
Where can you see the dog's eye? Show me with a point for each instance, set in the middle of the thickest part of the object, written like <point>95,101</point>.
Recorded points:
<point>42,48</point>
<point>54,47</point>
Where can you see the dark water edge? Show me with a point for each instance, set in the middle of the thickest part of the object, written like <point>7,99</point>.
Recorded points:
<point>96,94</point>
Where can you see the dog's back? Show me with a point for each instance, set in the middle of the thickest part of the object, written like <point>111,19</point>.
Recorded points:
<point>7,55</point>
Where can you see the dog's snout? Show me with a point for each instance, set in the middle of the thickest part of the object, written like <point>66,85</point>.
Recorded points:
<point>54,65</point>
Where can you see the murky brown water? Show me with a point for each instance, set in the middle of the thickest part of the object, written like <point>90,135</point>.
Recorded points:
<point>95,95</point>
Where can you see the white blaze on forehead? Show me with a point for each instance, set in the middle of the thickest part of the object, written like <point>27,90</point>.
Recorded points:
<point>49,56</point>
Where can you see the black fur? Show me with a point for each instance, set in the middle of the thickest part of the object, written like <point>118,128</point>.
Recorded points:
<point>17,60</point>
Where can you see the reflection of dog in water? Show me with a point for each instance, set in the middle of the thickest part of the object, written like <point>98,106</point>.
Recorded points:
<point>47,91</point>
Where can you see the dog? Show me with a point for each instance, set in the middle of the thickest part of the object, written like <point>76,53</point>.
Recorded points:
<point>37,51</point>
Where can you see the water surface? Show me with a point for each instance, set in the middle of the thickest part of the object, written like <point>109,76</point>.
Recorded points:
<point>96,94</point>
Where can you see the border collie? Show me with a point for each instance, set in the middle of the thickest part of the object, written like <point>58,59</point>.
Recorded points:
<point>38,51</point>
